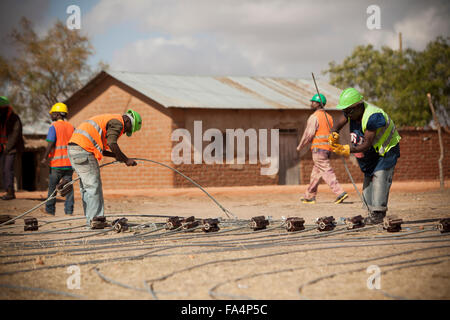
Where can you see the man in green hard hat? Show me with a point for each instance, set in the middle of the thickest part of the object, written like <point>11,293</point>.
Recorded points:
<point>11,144</point>
<point>88,145</point>
<point>316,132</point>
<point>374,142</point>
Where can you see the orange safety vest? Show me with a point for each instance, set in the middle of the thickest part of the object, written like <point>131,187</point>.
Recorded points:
<point>3,133</point>
<point>91,134</point>
<point>320,140</point>
<point>59,156</point>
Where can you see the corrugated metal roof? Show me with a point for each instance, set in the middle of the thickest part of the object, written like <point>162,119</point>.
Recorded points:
<point>227,92</point>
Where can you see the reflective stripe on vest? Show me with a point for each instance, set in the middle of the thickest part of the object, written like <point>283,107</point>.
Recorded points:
<point>320,140</point>
<point>59,156</point>
<point>91,134</point>
<point>386,137</point>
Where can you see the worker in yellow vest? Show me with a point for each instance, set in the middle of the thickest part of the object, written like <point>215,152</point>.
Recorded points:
<point>316,132</point>
<point>58,138</point>
<point>88,145</point>
<point>374,142</point>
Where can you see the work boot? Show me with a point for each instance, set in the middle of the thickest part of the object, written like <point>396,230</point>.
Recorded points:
<point>310,201</point>
<point>341,197</point>
<point>9,195</point>
<point>376,217</point>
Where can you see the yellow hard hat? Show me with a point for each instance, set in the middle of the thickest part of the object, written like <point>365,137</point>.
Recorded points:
<point>59,107</point>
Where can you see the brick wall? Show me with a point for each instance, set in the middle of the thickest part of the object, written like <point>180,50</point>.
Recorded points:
<point>419,155</point>
<point>151,142</point>
<point>234,174</point>
<point>418,161</point>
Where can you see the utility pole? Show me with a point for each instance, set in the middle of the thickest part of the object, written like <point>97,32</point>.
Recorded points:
<point>441,144</point>
<point>400,42</point>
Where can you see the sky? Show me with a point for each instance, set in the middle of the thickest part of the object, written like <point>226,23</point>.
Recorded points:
<point>277,38</point>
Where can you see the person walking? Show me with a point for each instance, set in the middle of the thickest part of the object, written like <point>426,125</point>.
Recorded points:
<point>317,130</point>
<point>11,145</point>
<point>375,143</point>
<point>58,138</point>
<point>88,145</point>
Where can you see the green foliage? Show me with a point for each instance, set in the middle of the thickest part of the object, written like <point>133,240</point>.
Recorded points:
<point>398,82</point>
<point>45,69</point>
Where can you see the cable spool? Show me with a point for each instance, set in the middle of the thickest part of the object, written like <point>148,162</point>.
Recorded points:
<point>444,225</point>
<point>258,223</point>
<point>354,222</point>
<point>120,225</point>
<point>325,223</point>
<point>392,224</point>
<point>98,222</point>
<point>189,223</point>
<point>31,224</point>
<point>4,218</point>
<point>210,225</point>
<point>295,224</point>
<point>173,223</point>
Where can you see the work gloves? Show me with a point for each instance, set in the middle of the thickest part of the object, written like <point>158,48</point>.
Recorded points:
<point>333,138</point>
<point>341,150</point>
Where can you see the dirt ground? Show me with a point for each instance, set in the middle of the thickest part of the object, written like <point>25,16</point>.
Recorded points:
<point>236,262</point>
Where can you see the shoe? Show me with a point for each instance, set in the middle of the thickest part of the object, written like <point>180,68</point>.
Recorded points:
<point>310,201</point>
<point>341,197</point>
<point>9,195</point>
<point>374,218</point>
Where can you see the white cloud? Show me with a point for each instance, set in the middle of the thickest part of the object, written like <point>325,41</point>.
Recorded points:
<point>417,30</point>
<point>277,37</point>
<point>184,55</point>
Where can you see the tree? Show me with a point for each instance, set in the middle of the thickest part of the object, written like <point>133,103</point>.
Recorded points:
<point>399,81</point>
<point>45,69</point>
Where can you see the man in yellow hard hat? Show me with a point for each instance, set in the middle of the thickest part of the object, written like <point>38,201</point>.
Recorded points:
<point>58,138</point>
<point>11,143</point>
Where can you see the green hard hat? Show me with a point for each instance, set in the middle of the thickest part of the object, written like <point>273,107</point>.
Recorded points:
<point>4,101</point>
<point>136,122</point>
<point>317,99</point>
<point>349,97</point>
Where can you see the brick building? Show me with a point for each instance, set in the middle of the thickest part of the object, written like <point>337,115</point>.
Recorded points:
<point>167,103</point>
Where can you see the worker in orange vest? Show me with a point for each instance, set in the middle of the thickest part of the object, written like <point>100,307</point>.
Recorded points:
<point>317,130</point>
<point>58,138</point>
<point>11,145</point>
<point>88,146</point>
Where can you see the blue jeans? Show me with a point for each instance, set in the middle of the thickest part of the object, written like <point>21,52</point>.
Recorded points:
<point>376,189</point>
<point>86,166</point>
<point>53,180</point>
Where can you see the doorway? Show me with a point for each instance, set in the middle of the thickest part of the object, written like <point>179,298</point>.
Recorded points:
<point>29,171</point>
<point>289,171</point>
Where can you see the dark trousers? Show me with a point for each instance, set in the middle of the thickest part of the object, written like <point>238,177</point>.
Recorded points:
<point>53,179</point>
<point>7,167</point>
